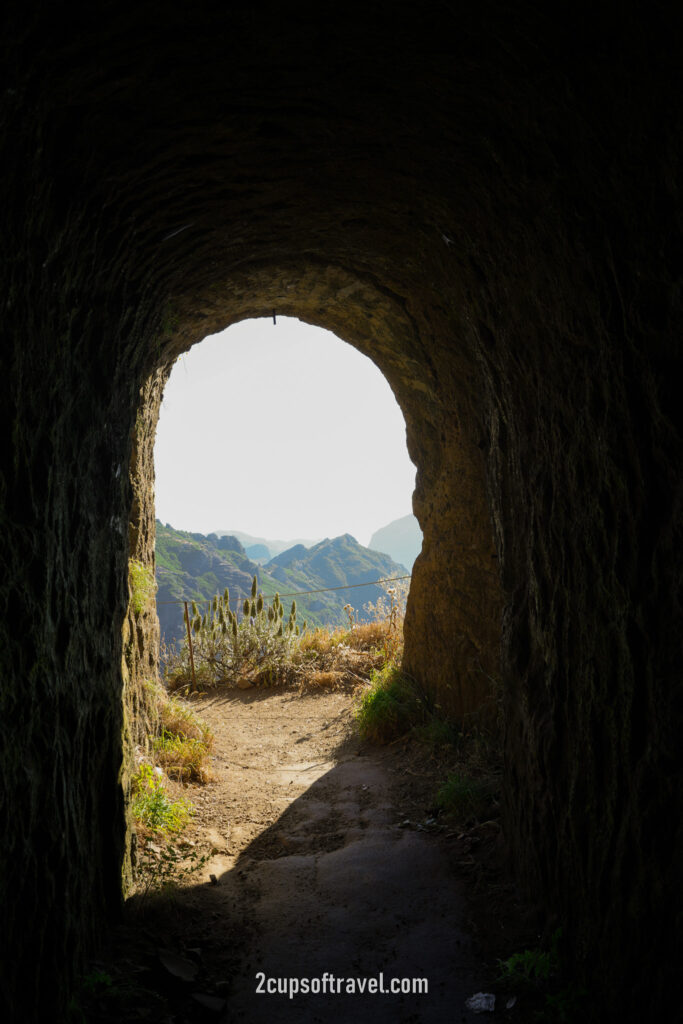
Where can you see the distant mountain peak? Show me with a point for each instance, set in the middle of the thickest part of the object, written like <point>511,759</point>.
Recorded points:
<point>196,566</point>
<point>275,547</point>
<point>285,558</point>
<point>402,539</point>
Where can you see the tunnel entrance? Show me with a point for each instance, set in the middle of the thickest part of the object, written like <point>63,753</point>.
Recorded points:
<point>281,451</point>
<point>342,819</point>
<point>452,627</point>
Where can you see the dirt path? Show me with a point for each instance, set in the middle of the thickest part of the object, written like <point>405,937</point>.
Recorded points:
<point>324,864</point>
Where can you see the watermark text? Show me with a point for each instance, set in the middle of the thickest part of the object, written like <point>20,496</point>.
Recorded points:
<point>330,984</point>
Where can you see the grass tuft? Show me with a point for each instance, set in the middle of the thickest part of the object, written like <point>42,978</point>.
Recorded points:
<point>183,743</point>
<point>438,732</point>
<point>180,720</point>
<point>152,808</point>
<point>181,758</point>
<point>390,708</point>
<point>321,641</point>
<point>529,970</point>
<point>367,636</point>
<point>325,679</point>
<point>466,797</point>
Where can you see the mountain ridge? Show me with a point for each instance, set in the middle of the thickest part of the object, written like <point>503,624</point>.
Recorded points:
<point>194,567</point>
<point>274,546</point>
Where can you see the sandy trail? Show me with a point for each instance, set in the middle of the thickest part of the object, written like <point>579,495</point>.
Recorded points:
<point>318,874</point>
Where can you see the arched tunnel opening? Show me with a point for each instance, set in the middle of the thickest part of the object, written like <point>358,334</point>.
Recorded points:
<point>465,617</point>
<point>274,435</point>
<point>487,202</point>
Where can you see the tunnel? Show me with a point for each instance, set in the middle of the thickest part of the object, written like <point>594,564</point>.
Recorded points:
<point>482,198</point>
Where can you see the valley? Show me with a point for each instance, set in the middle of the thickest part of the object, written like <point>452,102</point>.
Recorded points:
<point>195,566</point>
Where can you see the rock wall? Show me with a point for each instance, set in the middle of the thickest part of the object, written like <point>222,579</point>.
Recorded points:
<point>488,205</point>
<point>67,413</point>
<point>140,665</point>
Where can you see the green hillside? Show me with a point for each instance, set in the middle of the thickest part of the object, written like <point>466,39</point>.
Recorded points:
<point>194,567</point>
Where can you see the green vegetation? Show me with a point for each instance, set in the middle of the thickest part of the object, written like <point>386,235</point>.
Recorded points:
<point>98,989</point>
<point>391,707</point>
<point>152,808</point>
<point>181,757</point>
<point>192,566</point>
<point>227,647</point>
<point>528,970</point>
<point>263,644</point>
<point>178,744</point>
<point>538,973</point>
<point>438,732</point>
<point>142,585</point>
<point>178,718</point>
<point>466,797</point>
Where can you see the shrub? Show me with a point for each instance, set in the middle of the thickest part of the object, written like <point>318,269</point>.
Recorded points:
<point>390,708</point>
<point>367,636</point>
<point>177,739</point>
<point>528,970</point>
<point>539,973</point>
<point>321,642</point>
<point>182,757</point>
<point>439,732</point>
<point>466,797</point>
<point>389,611</point>
<point>325,679</point>
<point>177,719</point>
<point>227,649</point>
<point>152,809</point>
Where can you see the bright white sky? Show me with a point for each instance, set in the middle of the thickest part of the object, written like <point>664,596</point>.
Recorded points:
<point>283,432</point>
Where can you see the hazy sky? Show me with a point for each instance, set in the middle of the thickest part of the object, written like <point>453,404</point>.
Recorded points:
<point>280,431</point>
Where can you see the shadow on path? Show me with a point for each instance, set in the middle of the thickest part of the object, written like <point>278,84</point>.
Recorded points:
<point>334,889</point>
